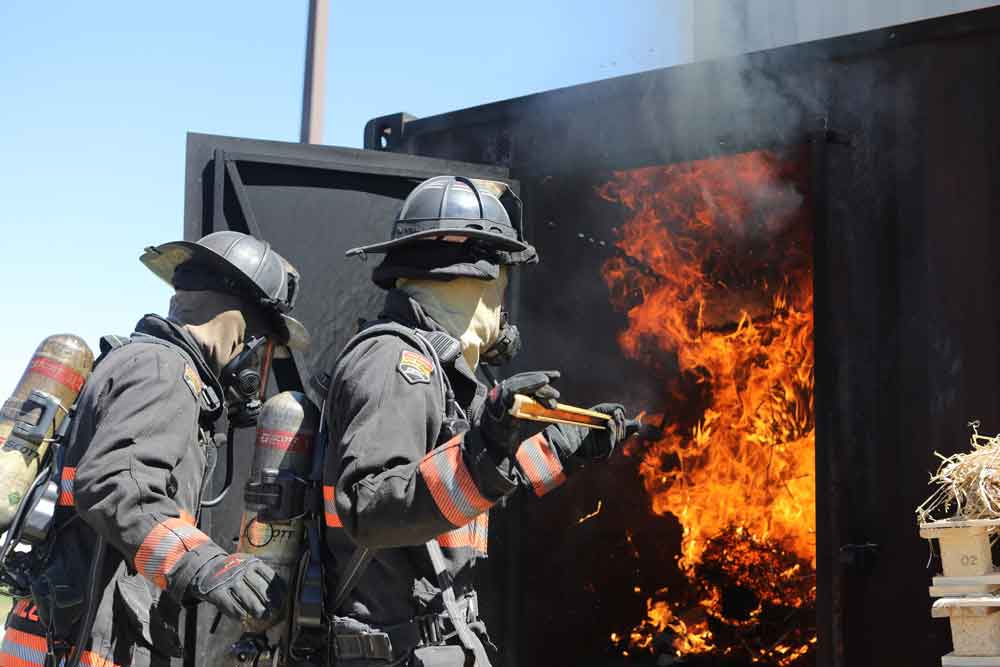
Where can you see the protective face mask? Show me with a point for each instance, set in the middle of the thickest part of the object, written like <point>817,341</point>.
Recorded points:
<point>467,308</point>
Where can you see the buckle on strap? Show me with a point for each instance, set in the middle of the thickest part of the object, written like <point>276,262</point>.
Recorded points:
<point>471,604</point>
<point>437,629</point>
<point>353,646</point>
<point>430,628</point>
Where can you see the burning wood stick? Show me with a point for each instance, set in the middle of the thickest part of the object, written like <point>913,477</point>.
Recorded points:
<point>588,517</point>
<point>526,407</point>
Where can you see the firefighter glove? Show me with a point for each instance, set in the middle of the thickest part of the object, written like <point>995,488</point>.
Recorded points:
<point>584,445</point>
<point>241,586</point>
<point>501,431</point>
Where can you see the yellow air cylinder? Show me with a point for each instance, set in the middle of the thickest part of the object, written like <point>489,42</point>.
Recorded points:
<point>59,367</point>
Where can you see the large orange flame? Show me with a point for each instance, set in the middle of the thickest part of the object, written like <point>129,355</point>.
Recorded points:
<point>715,274</point>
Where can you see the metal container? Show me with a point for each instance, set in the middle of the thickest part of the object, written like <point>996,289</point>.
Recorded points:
<point>282,455</point>
<point>59,367</point>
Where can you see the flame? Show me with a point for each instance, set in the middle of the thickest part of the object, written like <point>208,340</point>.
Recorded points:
<point>714,272</point>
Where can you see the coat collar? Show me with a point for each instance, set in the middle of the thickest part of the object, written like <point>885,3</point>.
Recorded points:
<point>174,333</point>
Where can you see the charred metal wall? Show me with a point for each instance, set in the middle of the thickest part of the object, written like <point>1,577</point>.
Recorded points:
<point>906,193</point>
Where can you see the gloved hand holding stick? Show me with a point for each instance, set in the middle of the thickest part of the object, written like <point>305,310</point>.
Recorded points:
<point>525,407</point>
<point>525,404</point>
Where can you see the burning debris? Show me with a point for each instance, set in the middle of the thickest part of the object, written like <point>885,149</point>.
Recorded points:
<point>968,484</point>
<point>591,515</point>
<point>725,305</point>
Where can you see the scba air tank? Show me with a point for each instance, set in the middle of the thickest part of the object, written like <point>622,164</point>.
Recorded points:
<point>59,368</point>
<point>272,527</point>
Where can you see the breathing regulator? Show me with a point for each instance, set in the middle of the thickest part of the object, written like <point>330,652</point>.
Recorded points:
<point>241,380</point>
<point>507,344</point>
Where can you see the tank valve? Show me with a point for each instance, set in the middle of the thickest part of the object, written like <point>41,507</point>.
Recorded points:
<point>252,650</point>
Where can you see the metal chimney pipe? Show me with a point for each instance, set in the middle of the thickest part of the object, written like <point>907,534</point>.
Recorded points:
<point>315,73</point>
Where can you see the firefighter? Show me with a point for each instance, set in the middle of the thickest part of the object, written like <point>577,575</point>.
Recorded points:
<point>420,448</point>
<point>139,460</point>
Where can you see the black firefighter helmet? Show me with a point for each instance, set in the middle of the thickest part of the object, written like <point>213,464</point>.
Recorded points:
<point>238,264</point>
<point>451,226</point>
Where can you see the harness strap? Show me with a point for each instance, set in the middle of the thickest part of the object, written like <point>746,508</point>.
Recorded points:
<point>352,573</point>
<point>111,342</point>
<point>468,638</point>
<point>416,337</point>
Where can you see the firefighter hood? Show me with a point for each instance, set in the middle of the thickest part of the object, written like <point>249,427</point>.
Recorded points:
<point>467,308</point>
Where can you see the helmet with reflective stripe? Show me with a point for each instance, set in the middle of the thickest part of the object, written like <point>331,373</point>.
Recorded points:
<point>239,264</point>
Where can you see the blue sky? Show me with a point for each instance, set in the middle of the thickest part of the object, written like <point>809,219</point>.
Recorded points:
<point>95,100</point>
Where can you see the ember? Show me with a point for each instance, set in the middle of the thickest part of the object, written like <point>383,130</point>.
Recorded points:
<point>715,274</point>
<point>591,515</point>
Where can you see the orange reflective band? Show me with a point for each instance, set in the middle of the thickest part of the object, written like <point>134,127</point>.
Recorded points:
<point>473,535</point>
<point>25,649</point>
<point>22,649</point>
<point>187,518</point>
<point>91,659</point>
<point>330,508</point>
<point>66,497</point>
<point>164,546</point>
<point>9,659</point>
<point>540,464</point>
<point>450,483</point>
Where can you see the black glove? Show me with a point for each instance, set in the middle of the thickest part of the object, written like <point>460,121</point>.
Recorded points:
<point>586,444</point>
<point>504,433</point>
<point>241,586</point>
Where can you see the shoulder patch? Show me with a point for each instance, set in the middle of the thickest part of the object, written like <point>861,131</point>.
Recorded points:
<point>192,380</point>
<point>415,367</point>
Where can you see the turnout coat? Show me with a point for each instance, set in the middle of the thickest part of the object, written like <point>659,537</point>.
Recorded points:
<point>395,477</point>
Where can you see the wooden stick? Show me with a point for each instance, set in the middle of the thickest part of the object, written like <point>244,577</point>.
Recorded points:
<point>526,407</point>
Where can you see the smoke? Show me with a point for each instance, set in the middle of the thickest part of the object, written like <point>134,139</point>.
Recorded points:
<point>724,28</point>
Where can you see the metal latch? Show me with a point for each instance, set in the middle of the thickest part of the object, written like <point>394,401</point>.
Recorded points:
<point>276,495</point>
<point>36,431</point>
